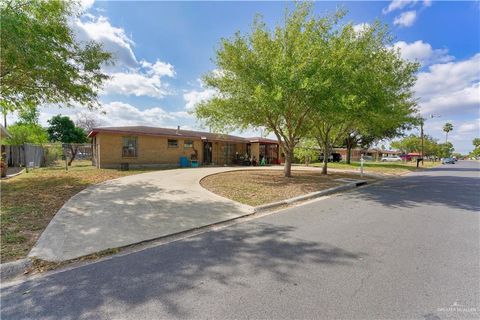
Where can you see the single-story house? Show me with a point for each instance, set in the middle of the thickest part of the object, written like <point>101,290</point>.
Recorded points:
<point>371,154</point>
<point>141,146</point>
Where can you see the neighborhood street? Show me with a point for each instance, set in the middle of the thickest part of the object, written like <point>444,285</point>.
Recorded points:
<point>401,248</point>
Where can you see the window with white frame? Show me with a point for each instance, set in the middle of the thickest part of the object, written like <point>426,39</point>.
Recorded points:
<point>129,147</point>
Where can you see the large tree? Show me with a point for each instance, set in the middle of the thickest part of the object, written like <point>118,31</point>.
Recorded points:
<point>265,78</point>
<point>370,92</point>
<point>447,127</point>
<point>62,129</point>
<point>42,61</point>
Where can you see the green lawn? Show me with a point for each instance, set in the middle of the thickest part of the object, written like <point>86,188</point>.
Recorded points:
<point>381,167</point>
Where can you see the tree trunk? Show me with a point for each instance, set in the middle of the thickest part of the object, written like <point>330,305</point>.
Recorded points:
<point>5,120</point>
<point>287,169</point>
<point>325,163</point>
<point>349,152</point>
<point>74,153</point>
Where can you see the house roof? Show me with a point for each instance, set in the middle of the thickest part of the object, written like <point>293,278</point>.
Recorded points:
<point>177,133</point>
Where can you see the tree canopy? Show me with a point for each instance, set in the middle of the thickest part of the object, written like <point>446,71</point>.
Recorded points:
<point>41,60</point>
<point>62,129</point>
<point>432,148</point>
<point>476,145</point>
<point>311,77</point>
<point>447,127</point>
<point>27,128</point>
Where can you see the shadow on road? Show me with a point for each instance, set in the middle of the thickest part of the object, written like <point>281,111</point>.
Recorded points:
<point>164,273</point>
<point>450,191</point>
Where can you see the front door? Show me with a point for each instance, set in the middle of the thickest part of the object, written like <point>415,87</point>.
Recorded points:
<point>207,152</point>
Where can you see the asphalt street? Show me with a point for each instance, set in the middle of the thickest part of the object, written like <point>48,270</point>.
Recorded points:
<point>406,248</point>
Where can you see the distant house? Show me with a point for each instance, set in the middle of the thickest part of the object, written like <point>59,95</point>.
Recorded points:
<point>369,154</point>
<point>141,146</point>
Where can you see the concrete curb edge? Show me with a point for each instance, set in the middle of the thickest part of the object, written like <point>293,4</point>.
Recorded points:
<point>15,268</point>
<point>309,196</point>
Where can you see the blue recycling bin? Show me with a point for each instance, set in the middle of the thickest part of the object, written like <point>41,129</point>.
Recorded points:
<point>184,163</point>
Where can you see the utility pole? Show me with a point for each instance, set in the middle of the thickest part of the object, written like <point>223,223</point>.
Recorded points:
<point>421,134</point>
<point>422,120</point>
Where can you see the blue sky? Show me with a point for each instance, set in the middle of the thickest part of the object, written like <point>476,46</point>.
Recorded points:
<point>163,48</point>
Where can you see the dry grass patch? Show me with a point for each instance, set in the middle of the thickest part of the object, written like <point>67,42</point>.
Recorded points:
<point>29,201</point>
<point>257,187</point>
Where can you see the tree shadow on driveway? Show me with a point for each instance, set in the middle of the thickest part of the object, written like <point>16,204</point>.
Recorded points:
<point>165,274</point>
<point>112,215</point>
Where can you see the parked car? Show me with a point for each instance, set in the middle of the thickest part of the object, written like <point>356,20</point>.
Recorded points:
<point>448,161</point>
<point>391,159</point>
<point>334,157</point>
<point>406,157</point>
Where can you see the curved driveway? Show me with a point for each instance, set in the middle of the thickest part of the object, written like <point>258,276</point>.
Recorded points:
<point>133,209</point>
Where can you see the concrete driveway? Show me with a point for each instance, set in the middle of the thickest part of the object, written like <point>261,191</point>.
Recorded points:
<point>133,209</point>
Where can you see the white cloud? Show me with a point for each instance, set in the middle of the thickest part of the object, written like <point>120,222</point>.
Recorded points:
<point>451,90</point>
<point>136,84</point>
<point>445,78</point>
<point>86,4</point>
<point>119,113</point>
<point>143,81</point>
<point>361,27</point>
<point>422,52</point>
<point>464,131</point>
<point>193,97</point>
<point>405,19</point>
<point>112,38</point>
<point>129,76</point>
<point>159,68</point>
<point>398,4</point>
<point>470,127</point>
<point>123,114</point>
<point>464,101</point>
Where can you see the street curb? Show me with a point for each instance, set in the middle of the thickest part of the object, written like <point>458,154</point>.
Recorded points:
<point>309,196</point>
<point>15,268</point>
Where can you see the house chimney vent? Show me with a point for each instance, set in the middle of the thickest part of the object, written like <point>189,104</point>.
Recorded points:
<point>178,129</point>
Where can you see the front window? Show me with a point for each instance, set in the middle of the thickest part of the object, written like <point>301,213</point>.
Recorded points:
<point>188,144</point>
<point>172,143</point>
<point>129,147</point>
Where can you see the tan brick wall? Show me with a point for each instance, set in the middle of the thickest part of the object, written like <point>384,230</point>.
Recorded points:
<point>255,150</point>
<point>154,150</point>
<point>151,150</point>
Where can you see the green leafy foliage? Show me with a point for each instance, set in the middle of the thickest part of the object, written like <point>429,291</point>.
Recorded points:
<point>41,61</point>
<point>447,127</point>
<point>432,148</point>
<point>371,95</point>
<point>310,77</point>
<point>62,129</point>
<point>21,133</point>
<point>306,152</point>
<point>476,150</point>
